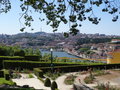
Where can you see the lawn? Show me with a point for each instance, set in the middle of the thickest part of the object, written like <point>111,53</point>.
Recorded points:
<point>3,81</point>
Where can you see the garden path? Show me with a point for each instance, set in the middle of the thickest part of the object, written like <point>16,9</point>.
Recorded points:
<point>32,82</point>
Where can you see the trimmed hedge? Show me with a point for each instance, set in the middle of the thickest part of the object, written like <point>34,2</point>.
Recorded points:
<point>32,57</point>
<point>11,58</point>
<point>54,85</point>
<point>47,82</point>
<point>2,58</point>
<point>1,73</point>
<point>74,68</point>
<point>38,72</point>
<point>6,88</point>
<point>10,64</point>
<point>6,74</point>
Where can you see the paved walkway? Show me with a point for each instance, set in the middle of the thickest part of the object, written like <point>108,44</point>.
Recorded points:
<point>32,82</point>
<point>37,84</point>
<point>61,84</point>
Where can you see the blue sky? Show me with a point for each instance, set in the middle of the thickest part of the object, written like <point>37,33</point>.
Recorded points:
<point>10,23</point>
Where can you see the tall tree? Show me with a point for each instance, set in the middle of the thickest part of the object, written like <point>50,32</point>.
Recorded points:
<point>58,11</point>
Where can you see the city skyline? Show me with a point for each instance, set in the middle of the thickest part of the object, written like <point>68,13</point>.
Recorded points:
<point>10,23</point>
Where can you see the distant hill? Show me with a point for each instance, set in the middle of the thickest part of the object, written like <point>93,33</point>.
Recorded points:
<point>40,39</point>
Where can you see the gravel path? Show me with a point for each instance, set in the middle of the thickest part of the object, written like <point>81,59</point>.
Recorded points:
<point>113,78</point>
<point>61,84</point>
<point>32,82</point>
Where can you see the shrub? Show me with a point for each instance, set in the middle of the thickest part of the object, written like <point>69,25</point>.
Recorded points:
<point>7,76</point>
<point>100,72</point>
<point>47,82</point>
<point>88,79</point>
<point>38,72</point>
<point>54,85</point>
<point>31,76</point>
<point>106,86</point>
<point>69,80</point>
<point>53,76</point>
<point>16,75</point>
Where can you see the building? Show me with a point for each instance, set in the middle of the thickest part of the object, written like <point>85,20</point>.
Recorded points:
<point>114,53</point>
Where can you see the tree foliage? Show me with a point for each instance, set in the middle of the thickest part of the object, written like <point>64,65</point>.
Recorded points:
<point>18,51</point>
<point>64,11</point>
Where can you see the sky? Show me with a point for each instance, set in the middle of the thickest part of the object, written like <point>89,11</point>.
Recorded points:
<point>9,23</point>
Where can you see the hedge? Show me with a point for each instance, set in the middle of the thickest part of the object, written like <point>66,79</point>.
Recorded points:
<point>11,58</point>
<point>1,73</point>
<point>74,68</point>
<point>6,88</point>
<point>32,57</point>
<point>2,58</point>
<point>66,67</point>
<point>10,64</point>
<point>6,74</point>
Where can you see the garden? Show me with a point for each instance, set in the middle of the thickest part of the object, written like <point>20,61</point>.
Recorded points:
<point>32,63</point>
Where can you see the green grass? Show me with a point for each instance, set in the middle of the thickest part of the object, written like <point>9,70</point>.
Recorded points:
<point>3,81</point>
<point>31,76</point>
<point>5,71</point>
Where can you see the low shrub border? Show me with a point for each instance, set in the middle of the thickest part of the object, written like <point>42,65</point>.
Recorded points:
<point>1,74</point>
<point>12,64</point>
<point>32,57</point>
<point>66,67</point>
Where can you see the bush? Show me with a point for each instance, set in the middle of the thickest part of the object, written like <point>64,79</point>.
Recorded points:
<point>16,75</point>
<point>53,76</point>
<point>89,79</point>
<point>106,86</point>
<point>47,82</point>
<point>31,76</point>
<point>69,80</point>
<point>7,76</point>
<point>54,85</point>
<point>38,72</point>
